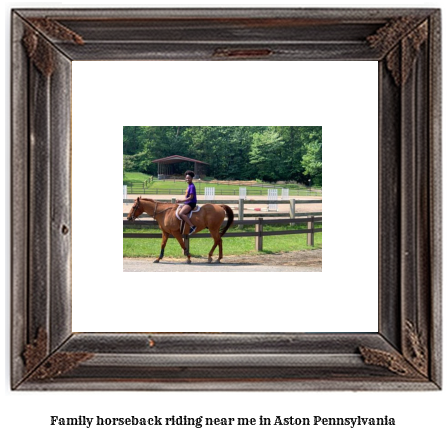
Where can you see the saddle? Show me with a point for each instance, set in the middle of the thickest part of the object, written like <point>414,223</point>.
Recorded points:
<point>182,222</point>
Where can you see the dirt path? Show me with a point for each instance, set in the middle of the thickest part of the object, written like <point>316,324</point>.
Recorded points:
<point>296,261</point>
<point>311,258</point>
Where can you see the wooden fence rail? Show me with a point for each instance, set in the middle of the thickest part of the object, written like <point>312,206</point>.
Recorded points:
<point>259,232</point>
<point>241,214</point>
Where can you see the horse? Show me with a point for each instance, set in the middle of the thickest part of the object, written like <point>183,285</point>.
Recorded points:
<point>209,216</point>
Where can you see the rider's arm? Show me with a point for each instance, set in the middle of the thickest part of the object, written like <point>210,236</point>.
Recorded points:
<point>186,198</point>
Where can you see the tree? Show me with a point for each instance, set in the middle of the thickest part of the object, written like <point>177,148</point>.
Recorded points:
<point>313,162</point>
<point>265,154</point>
<point>268,153</point>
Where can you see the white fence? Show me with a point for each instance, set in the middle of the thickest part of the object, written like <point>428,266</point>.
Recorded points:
<point>272,195</point>
<point>209,193</point>
<point>284,194</point>
<point>242,192</point>
<point>124,192</point>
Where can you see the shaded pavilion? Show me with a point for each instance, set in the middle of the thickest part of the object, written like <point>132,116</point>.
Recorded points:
<point>166,166</point>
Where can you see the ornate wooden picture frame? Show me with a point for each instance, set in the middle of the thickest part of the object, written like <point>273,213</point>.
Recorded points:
<point>405,353</point>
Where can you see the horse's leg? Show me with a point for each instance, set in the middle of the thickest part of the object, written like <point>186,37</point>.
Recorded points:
<point>220,251</point>
<point>178,236</point>
<point>163,244</point>
<point>217,241</point>
<point>210,255</point>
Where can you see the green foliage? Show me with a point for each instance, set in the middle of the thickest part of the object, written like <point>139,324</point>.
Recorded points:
<point>312,162</point>
<point>128,163</point>
<point>265,153</point>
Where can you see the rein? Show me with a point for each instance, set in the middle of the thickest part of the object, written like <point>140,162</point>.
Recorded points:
<point>137,205</point>
<point>162,211</point>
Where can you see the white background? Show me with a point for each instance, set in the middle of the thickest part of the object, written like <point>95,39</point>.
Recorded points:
<point>416,414</point>
<point>110,95</point>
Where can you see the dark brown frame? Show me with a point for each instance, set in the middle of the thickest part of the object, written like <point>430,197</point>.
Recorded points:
<point>405,354</point>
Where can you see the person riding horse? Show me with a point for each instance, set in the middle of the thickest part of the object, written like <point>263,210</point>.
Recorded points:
<point>210,216</point>
<point>190,201</point>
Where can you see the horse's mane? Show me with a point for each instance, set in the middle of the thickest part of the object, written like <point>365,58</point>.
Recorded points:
<point>153,200</point>
<point>169,205</point>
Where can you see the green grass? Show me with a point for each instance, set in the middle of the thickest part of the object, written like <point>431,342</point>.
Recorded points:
<point>135,177</point>
<point>299,186</point>
<point>179,186</point>
<point>169,187</point>
<point>231,246</point>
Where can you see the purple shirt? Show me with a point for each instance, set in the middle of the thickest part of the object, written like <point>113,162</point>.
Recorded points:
<point>191,191</point>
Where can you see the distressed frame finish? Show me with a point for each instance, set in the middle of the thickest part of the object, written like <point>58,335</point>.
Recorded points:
<point>405,354</point>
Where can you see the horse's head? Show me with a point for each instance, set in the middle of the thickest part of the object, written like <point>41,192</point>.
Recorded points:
<point>136,210</point>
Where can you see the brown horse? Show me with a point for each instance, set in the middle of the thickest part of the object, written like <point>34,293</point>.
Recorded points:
<point>210,216</point>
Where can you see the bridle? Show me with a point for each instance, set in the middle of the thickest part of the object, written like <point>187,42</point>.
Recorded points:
<point>137,205</point>
<point>134,209</point>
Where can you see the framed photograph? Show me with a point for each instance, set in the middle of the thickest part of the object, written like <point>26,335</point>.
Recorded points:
<point>50,352</point>
<point>203,185</point>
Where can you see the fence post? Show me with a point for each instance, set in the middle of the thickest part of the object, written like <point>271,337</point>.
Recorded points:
<point>292,210</point>
<point>311,227</point>
<point>241,212</point>
<point>259,228</point>
<point>173,200</point>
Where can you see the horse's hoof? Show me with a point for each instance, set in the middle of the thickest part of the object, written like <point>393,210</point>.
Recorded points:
<point>217,261</point>
<point>188,261</point>
<point>210,259</point>
<point>156,261</point>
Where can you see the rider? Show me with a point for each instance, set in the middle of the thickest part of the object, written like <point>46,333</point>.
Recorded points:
<point>190,201</point>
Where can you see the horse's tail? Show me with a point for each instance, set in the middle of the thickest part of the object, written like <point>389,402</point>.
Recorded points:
<point>230,216</point>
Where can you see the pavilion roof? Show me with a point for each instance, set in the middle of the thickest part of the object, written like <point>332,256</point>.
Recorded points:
<point>176,159</point>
